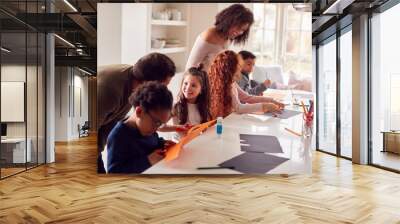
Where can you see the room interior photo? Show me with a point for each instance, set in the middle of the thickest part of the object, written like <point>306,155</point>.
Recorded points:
<point>281,41</point>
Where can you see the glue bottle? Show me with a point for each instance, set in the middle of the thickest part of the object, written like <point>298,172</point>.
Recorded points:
<point>219,126</point>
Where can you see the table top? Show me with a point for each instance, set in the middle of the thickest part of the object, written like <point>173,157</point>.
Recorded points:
<point>209,150</point>
<point>290,97</point>
<point>391,132</point>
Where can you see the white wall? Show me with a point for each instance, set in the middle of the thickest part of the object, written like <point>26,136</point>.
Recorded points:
<point>67,115</point>
<point>80,83</point>
<point>85,98</point>
<point>130,40</point>
<point>61,103</point>
<point>109,33</point>
<point>202,16</point>
<point>12,73</point>
<point>33,126</point>
<point>118,27</point>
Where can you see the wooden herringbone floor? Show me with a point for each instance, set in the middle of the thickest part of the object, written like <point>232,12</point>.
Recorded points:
<point>70,191</point>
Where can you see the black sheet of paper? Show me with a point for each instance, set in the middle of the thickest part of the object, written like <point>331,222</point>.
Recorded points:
<point>254,163</point>
<point>285,114</point>
<point>260,143</point>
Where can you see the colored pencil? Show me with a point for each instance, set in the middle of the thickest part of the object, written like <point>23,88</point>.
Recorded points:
<point>293,132</point>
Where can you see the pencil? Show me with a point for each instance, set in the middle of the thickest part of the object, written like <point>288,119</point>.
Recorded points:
<point>215,167</point>
<point>293,132</point>
<point>304,107</point>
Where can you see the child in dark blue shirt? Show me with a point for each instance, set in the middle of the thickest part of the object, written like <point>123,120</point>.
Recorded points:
<point>134,145</point>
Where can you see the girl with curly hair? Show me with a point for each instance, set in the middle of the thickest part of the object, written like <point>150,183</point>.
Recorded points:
<point>226,96</point>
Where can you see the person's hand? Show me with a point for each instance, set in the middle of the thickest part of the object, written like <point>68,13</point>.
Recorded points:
<point>271,108</point>
<point>279,104</point>
<point>189,126</point>
<point>168,143</point>
<point>267,83</point>
<point>156,156</point>
<point>183,129</point>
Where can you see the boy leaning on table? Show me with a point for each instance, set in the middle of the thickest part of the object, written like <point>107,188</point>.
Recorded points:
<point>133,144</point>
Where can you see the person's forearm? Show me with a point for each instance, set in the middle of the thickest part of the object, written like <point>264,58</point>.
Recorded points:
<point>246,98</point>
<point>247,108</point>
<point>258,99</point>
<point>258,89</point>
<point>253,91</point>
<point>167,128</point>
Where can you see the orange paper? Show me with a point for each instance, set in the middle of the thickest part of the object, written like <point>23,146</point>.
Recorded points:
<point>173,151</point>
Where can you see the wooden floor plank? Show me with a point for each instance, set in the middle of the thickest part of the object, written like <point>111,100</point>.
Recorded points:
<point>70,191</point>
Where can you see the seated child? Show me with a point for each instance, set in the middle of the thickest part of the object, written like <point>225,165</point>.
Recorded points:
<point>193,99</point>
<point>250,86</point>
<point>133,144</point>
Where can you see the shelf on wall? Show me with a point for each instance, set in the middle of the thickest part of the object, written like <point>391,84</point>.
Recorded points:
<point>169,50</point>
<point>168,22</point>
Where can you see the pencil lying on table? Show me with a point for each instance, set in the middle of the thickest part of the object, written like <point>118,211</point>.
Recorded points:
<point>304,108</point>
<point>293,132</point>
<point>215,167</point>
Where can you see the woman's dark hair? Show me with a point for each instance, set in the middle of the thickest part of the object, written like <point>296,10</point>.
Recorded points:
<point>246,55</point>
<point>153,67</point>
<point>152,96</point>
<point>180,108</point>
<point>234,15</point>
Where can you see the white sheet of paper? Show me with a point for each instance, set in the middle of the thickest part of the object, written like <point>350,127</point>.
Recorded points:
<point>262,118</point>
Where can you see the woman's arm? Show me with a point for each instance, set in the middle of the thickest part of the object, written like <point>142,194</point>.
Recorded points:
<point>256,88</point>
<point>241,108</point>
<point>175,127</point>
<point>167,128</point>
<point>246,98</point>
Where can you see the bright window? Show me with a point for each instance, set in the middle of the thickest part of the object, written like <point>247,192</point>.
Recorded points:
<point>327,97</point>
<point>346,94</point>
<point>281,35</point>
<point>385,86</point>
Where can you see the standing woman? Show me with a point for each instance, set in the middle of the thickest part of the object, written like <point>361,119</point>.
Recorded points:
<point>232,25</point>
